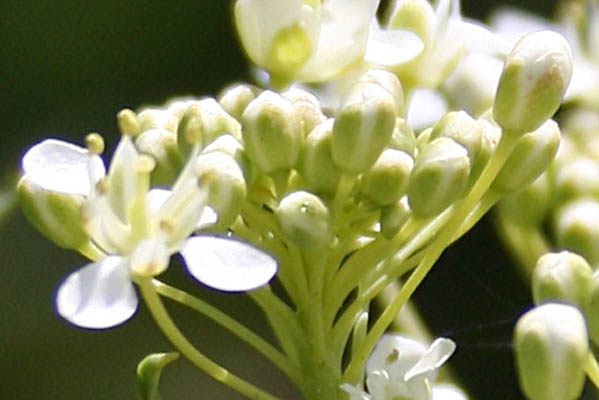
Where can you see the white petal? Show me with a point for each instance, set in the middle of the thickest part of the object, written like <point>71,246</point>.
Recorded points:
<point>425,108</point>
<point>395,354</point>
<point>227,264</point>
<point>445,391</point>
<point>478,39</point>
<point>208,218</point>
<point>342,40</point>
<point>435,356</point>
<point>150,257</point>
<point>512,23</point>
<point>354,393</point>
<point>62,167</point>
<point>99,295</point>
<point>391,47</point>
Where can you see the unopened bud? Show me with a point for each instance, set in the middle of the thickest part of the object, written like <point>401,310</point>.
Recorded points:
<point>577,178</point>
<point>231,146</point>
<point>153,118</point>
<point>235,99</point>
<point>403,137</point>
<point>222,179</point>
<point>530,157</point>
<point>272,135</point>
<point>304,220</point>
<point>562,277</point>
<point>491,135</point>
<point>528,206</point>
<point>394,216</point>
<point>386,182</point>
<point>307,109</point>
<point>439,177</point>
<point>388,81</point>
<point>551,346</point>
<point>161,145</point>
<point>592,310</point>
<point>208,119</point>
<point>535,76</point>
<point>317,166</point>
<point>577,228</point>
<point>462,128</point>
<point>363,127</point>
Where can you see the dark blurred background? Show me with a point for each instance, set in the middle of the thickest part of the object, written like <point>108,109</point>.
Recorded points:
<point>66,68</point>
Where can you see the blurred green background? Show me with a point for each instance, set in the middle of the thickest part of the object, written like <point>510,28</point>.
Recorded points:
<point>66,68</point>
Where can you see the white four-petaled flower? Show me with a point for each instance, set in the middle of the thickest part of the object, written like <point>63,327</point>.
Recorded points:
<point>135,229</point>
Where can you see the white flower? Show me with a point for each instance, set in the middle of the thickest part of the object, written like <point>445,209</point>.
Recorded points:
<point>404,368</point>
<point>304,40</point>
<point>135,230</point>
<point>423,45</point>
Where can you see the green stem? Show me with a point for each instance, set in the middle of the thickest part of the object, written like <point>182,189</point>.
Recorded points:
<point>174,335</point>
<point>241,331</point>
<point>432,253</point>
<point>344,188</point>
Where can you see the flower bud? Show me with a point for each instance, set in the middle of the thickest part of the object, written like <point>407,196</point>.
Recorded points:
<point>403,137</point>
<point>304,220</point>
<point>528,206</point>
<point>491,135</point>
<point>563,276</point>
<point>234,99</point>
<point>363,127</point>
<point>577,178</point>
<point>460,127</point>
<point>551,346</point>
<point>307,109</point>
<point>231,146</point>
<point>535,76</point>
<point>161,145</point>
<point>394,216</point>
<point>592,310</point>
<point>272,136</point>
<point>530,157</point>
<point>387,180</point>
<point>204,121</point>
<point>222,179</point>
<point>317,166</point>
<point>154,118</point>
<point>439,177</point>
<point>577,228</point>
<point>388,81</point>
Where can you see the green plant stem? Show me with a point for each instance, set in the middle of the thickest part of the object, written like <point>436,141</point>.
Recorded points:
<point>241,331</point>
<point>174,335</point>
<point>432,253</point>
<point>344,188</point>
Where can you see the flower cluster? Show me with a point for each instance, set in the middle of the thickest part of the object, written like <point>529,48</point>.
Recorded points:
<point>342,190</point>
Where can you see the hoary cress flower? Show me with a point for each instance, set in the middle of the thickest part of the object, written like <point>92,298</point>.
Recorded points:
<point>304,40</point>
<point>403,368</point>
<point>132,229</point>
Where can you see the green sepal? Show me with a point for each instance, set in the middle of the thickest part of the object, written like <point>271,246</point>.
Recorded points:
<point>148,374</point>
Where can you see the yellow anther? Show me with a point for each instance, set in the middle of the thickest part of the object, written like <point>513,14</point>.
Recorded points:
<point>94,143</point>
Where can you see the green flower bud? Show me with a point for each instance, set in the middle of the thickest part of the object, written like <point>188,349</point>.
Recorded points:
<point>528,206</point>
<point>535,76</point>
<point>577,229</point>
<point>592,310</point>
<point>304,220</point>
<point>234,99</point>
<point>413,15</point>
<point>231,146</point>
<point>491,135</point>
<point>55,215</point>
<point>363,127</point>
<point>386,182</point>
<point>161,145</point>
<point>307,109</point>
<point>577,178</point>
<point>423,138</point>
<point>531,156</point>
<point>460,127</point>
<point>316,165</point>
<point>439,177</point>
<point>394,216</point>
<point>551,346</point>
<point>563,277</point>
<point>223,181</point>
<point>388,81</point>
<point>204,121</point>
<point>403,137</point>
<point>156,118</point>
<point>272,135</point>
